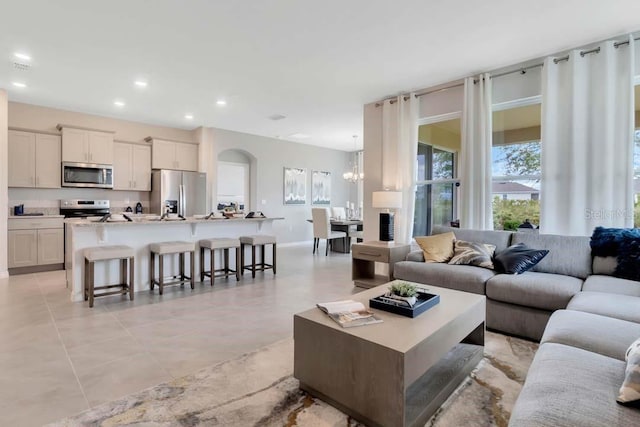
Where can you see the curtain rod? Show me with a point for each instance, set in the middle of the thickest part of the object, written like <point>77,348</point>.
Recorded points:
<point>522,70</point>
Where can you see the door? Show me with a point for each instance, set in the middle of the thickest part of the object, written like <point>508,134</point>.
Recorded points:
<point>141,167</point>
<point>75,145</point>
<point>22,146</point>
<point>122,166</point>
<point>100,147</point>
<point>187,156</point>
<point>23,248</point>
<point>163,155</point>
<point>171,182</point>
<point>50,246</point>
<point>48,161</point>
<point>195,193</point>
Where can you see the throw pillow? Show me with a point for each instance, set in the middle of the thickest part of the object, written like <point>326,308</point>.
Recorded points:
<point>630,391</point>
<point>629,260</point>
<point>517,259</point>
<point>470,253</point>
<point>437,248</point>
<point>606,241</point>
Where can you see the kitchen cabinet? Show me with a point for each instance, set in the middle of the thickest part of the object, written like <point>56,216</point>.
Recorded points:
<point>86,146</point>
<point>35,241</point>
<point>131,166</point>
<point>34,160</point>
<point>173,155</point>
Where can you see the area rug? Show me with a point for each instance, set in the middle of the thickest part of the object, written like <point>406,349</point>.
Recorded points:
<point>258,389</point>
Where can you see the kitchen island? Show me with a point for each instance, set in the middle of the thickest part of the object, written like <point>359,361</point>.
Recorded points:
<point>81,234</point>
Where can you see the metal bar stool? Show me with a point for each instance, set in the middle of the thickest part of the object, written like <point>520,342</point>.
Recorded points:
<point>257,240</point>
<point>219,243</point>
<point>171,248</point>
<point>124,254</point>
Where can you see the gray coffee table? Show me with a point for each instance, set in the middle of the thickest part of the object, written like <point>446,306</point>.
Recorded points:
<point>395,373</point>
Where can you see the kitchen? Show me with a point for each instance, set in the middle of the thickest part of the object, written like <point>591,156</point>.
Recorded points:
<point>36,182</point>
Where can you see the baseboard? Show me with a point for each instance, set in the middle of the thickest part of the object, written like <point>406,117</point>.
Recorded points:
<point>35,269</point>
<point>4,274</point>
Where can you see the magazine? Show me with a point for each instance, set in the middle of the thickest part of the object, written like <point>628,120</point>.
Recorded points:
<point>349,313</point>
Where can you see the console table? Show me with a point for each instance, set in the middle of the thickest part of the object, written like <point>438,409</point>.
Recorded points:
<point>364,258</point>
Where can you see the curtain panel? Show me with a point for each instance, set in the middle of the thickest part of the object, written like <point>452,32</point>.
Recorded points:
<point>399,151</point>
<point>475,156</point>
<point>587,141</point>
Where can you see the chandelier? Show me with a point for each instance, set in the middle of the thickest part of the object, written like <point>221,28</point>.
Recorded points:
<point>354,174</point>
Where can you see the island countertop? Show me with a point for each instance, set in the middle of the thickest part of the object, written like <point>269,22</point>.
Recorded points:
<point>139,234</point>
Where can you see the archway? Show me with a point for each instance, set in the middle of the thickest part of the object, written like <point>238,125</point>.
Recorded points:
<point>236,181</point>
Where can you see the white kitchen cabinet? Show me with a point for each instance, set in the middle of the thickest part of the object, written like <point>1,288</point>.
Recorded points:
<point>174,155</point>
<point>35,241</point>
<point>86,146</point>
<point>23,248</point>
<point>34,160</point>
<point>131,166</point>
<point>50,246</point>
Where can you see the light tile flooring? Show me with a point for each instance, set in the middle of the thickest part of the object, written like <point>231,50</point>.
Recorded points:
<point>58,358</point>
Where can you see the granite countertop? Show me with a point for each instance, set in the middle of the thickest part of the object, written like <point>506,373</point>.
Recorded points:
<point>88,223</point>
<point>28,216</point>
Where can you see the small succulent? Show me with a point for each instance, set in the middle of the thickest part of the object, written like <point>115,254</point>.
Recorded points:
<point>404,289</point>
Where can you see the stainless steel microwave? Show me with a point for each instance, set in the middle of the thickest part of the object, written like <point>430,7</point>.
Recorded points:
<point>87,175</point>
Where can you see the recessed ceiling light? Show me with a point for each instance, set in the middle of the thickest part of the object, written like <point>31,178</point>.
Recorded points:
<point>300,136</point>
<point>19,84</point>
<point>188,116</point>
<point>141,83</point>
<point>119,103</point>
<point>221,102</point>
<point>22,56</point>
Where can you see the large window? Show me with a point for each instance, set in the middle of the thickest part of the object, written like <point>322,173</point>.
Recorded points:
<point>438,147</point>
<point>516,167</point>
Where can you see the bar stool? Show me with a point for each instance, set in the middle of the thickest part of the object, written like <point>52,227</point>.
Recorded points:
<point>107,253</point>
<point>257,240</point>
<point>171,248</point>
<point>224,244</point>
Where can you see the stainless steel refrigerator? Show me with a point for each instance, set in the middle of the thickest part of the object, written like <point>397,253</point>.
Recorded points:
<point>184,193</point>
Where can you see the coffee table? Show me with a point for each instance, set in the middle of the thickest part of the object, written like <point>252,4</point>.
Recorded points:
<point>395,373</point>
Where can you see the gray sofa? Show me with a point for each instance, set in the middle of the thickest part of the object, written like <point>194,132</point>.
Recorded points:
<point>585,322</point>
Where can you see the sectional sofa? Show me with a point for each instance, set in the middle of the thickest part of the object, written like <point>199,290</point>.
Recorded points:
<point>584,318</point>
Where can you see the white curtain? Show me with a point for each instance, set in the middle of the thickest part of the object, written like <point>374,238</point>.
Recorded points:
<point>399,151</point>
<point>587,141</point>
<point>475,156</point>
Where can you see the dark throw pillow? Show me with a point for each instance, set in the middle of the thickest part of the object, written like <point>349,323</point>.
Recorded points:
<point>518,258</point>
<point>606,241</point>
<point>628,260</point>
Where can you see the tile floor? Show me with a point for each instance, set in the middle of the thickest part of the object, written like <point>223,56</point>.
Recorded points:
<point>58,358</point>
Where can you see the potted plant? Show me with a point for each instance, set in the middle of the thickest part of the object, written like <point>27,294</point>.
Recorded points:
<point>403,291</point>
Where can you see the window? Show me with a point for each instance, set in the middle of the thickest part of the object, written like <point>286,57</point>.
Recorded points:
<point>516,167</point>
<point>636,163</point>
<point>438,148</point>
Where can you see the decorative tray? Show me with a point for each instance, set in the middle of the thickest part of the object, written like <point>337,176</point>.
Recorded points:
<point>424,302</point>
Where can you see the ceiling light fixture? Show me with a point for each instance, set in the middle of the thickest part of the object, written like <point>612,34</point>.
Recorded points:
<point>141,83</point>
<point>354,174</point>
<point>22,56</point>
<point>119,103</point>
<point>188,116</point>
<point>19,84</point>
<point>221,102</point>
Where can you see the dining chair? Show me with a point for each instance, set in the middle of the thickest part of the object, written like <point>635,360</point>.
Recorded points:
<point>322,229</point>
<point>339,213</point>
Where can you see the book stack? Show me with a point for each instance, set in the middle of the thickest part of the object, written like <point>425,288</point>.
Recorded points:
<point>349,313</point>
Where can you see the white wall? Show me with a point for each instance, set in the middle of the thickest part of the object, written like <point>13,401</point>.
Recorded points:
<point>270,157</point>
<point>372,167</point>
<point>4,177</point>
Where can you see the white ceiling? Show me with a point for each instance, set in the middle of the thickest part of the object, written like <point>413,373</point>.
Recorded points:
<point>316,62</point>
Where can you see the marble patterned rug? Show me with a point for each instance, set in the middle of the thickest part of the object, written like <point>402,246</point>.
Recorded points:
<point>258,389</point>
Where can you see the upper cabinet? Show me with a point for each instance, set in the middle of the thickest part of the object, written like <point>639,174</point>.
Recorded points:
<point>86,146</point>
<point>34,160</point>
<point>173,155</point>
<point>131,166</point>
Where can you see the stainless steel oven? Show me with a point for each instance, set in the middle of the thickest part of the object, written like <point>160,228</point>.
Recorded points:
<point>87,175</point>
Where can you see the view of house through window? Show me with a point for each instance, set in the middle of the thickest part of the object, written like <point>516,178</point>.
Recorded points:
<point>438,148</point>
<point>516,167</point>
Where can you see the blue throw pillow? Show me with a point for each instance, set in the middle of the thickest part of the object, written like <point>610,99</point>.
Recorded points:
<point>629,260</point>
<point>606,241</point>
<point>517,259</point>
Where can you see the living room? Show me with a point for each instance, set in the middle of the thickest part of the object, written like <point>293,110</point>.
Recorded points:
<point>500,127</point>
